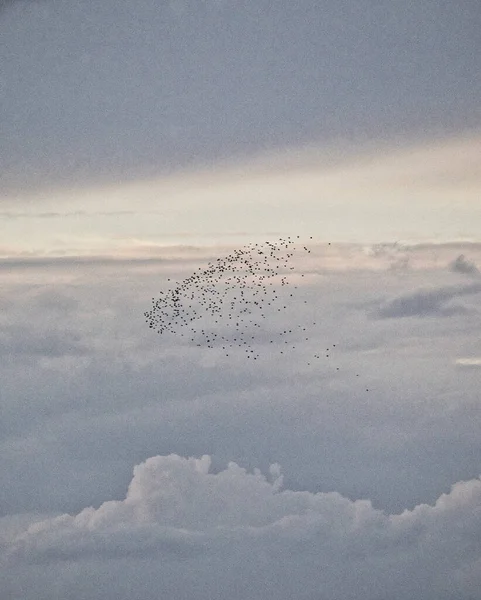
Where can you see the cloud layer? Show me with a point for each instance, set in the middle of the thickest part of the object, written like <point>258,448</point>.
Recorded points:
<point>427,302</point>
<point>359,511</point>
<point>322,544</point>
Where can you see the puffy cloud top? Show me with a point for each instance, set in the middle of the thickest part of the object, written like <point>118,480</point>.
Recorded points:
<point>175,508</point>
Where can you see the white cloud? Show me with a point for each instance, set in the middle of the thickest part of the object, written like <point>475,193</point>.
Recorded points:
<point>177,510</point>
<point>474,361</point>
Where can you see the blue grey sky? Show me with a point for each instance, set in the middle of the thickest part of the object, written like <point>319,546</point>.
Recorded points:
<point>118,90</point>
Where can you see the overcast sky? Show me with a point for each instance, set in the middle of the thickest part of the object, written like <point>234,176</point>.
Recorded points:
<point>118,89</point>
<point>141,141</point>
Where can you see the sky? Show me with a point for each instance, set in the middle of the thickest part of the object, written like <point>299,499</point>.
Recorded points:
<point>141,142</point>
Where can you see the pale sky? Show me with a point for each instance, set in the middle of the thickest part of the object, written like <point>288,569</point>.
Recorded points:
<point>419,193</point>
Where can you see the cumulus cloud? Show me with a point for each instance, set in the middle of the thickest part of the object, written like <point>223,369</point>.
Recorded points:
<point>462,265</point>
<point>427,302</point>
<point>176,509</point>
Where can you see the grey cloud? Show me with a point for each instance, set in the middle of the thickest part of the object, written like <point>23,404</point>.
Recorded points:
<point>22,340</point>
<point>63,215</point>
<point>61,262</point>
<point>138,541</point>
<point>462,265</point>
<point>6,3</point>
<point>387,249</point>
<point>50,299</point>
<point>395,253</point>
<point>155,255</point>
<point>473,246</point>
<point>176,508</point>
<point>427,302</point>
<point>74,426</point>
<point>71,431</point>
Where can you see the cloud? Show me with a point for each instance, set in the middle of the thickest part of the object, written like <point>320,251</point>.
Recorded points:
<point>5,3</point>
<point>474,362</point>
<point>59,262</point>
<point>176,509</point>
<point>426,302</point>
<point>22,340</point>
<point>8,215</point>
<point>136,394</point>
<point>395,253</point>
<point>73,428</point>
<point>462,265</point>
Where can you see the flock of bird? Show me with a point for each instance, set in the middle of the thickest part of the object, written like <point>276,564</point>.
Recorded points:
<point>223,305</point>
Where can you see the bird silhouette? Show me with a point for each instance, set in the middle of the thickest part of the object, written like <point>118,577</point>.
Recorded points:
<point>232,296</point>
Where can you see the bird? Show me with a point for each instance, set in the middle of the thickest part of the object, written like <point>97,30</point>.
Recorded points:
<point>233,295</point>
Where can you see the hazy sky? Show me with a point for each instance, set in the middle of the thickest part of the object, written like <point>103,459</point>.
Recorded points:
<point>138,142</point>
<point>116,89</point>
